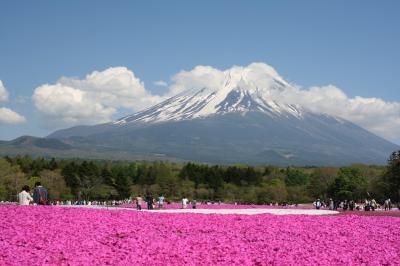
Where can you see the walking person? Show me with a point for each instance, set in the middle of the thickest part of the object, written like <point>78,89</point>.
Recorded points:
<point>149,200</point>
<point>387,205</point>
<point>139,203</point>
<point>24,198</point>
<point>40,194</point>
<point>161,200</point>
<point>318,204</point>
<point>345,205</point>
<point>184,202</point>
<point>352,205</point>
<point>331,204</point>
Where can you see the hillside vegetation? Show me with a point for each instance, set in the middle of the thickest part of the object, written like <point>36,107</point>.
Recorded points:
<point>107,180</point>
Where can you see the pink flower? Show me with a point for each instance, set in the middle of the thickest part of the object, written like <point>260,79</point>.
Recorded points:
<point>70,236</point>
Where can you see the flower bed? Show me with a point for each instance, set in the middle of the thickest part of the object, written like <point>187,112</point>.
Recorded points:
<point>48,235</point>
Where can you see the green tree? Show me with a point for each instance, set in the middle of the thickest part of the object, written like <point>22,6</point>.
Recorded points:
<point>320,181</point>
<point>71,176</point>
<point>349,184</point>
<point>295,177</point>
<point>392,177</point>
<point>11,180</point>
<point>55,184</point>
<point>122,185</point>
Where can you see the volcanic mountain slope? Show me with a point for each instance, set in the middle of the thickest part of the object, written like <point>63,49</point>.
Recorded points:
<point>237,120</point>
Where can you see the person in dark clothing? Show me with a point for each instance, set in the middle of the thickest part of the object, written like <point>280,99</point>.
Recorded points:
<point>345,205</point>
<point>194,204</point>
<point>352,205</point>
<point>149,200</point>
<point>40,194</point>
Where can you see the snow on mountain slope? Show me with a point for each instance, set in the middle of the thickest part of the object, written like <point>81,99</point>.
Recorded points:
<point>235,94</point>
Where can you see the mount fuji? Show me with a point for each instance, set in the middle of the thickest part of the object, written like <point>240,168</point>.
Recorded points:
<point>236,120</point>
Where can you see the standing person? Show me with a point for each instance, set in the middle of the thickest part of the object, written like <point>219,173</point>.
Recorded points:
<point>374,205</point>
<point>40,194</point>
<point>331,204</point>
<point>387,205</point>
<point>352,205</point>
<point>24,198</point>
<point>149,200</point>
<point>161,200</point>
<point>139,203</point>
<point>194,204</point>
<point>184,202</point>
<point>318,204</point>
<point>345,205</point>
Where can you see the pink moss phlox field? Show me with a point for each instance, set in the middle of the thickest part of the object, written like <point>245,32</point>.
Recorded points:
<point>46,235</point>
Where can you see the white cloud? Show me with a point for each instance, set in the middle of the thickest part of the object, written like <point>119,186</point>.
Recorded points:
<point>3,92</point>
<point>199,77</point>
<point>92,100</point>
<point>374,114</point>
<point>99,96</point>
<point>256,75</point>
<point>8,116</point>
<point>160,83</point>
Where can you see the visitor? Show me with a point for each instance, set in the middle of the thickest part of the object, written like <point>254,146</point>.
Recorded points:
<point>374,205</point>
<point>149,200</point>
<point>318,204</point>
<point>184,202</point>
<point>367,205</point>
<point>138,203</point>
<point>331,204</point>
<point>387,204</point>
<point>345,205</point>
<point>161,200</point>
<point>352,205</point>
<point>40,194</point>
<point>24,198</point>
<point>194,204</point>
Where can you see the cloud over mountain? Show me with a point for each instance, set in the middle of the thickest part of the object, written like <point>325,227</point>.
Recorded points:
<point>378,116</point>
<point>99,96</point>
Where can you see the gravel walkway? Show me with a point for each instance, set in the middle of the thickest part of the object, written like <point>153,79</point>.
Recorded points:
<point>219,211</point>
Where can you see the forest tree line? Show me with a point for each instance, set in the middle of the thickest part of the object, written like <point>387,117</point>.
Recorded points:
<point>108,180</point>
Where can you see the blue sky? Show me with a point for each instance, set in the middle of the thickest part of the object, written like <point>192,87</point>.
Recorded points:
<point>353,45</point>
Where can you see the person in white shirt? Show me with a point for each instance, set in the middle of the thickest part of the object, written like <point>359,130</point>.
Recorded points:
<point>184,202</point>
<point>24,198</point>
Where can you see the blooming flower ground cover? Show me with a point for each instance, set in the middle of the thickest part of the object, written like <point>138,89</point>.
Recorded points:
<point>48,235</point>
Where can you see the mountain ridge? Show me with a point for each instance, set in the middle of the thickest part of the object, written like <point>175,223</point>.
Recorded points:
<point>233,121</point>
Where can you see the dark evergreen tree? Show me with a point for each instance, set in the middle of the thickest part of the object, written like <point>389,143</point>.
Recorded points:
<point>295,177</point>
<point>122,185</point>
<point>392,177</point>
<point>71,177</point>
<point>350,184</point>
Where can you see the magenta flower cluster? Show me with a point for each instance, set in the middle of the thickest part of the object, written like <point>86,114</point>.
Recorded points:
<point>48,235</point>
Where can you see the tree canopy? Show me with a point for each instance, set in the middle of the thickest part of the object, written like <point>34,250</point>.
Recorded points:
<point>105,180</point>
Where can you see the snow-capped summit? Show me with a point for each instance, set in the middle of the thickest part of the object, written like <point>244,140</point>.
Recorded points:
<point>236,94</point>
<point>242,115</point>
